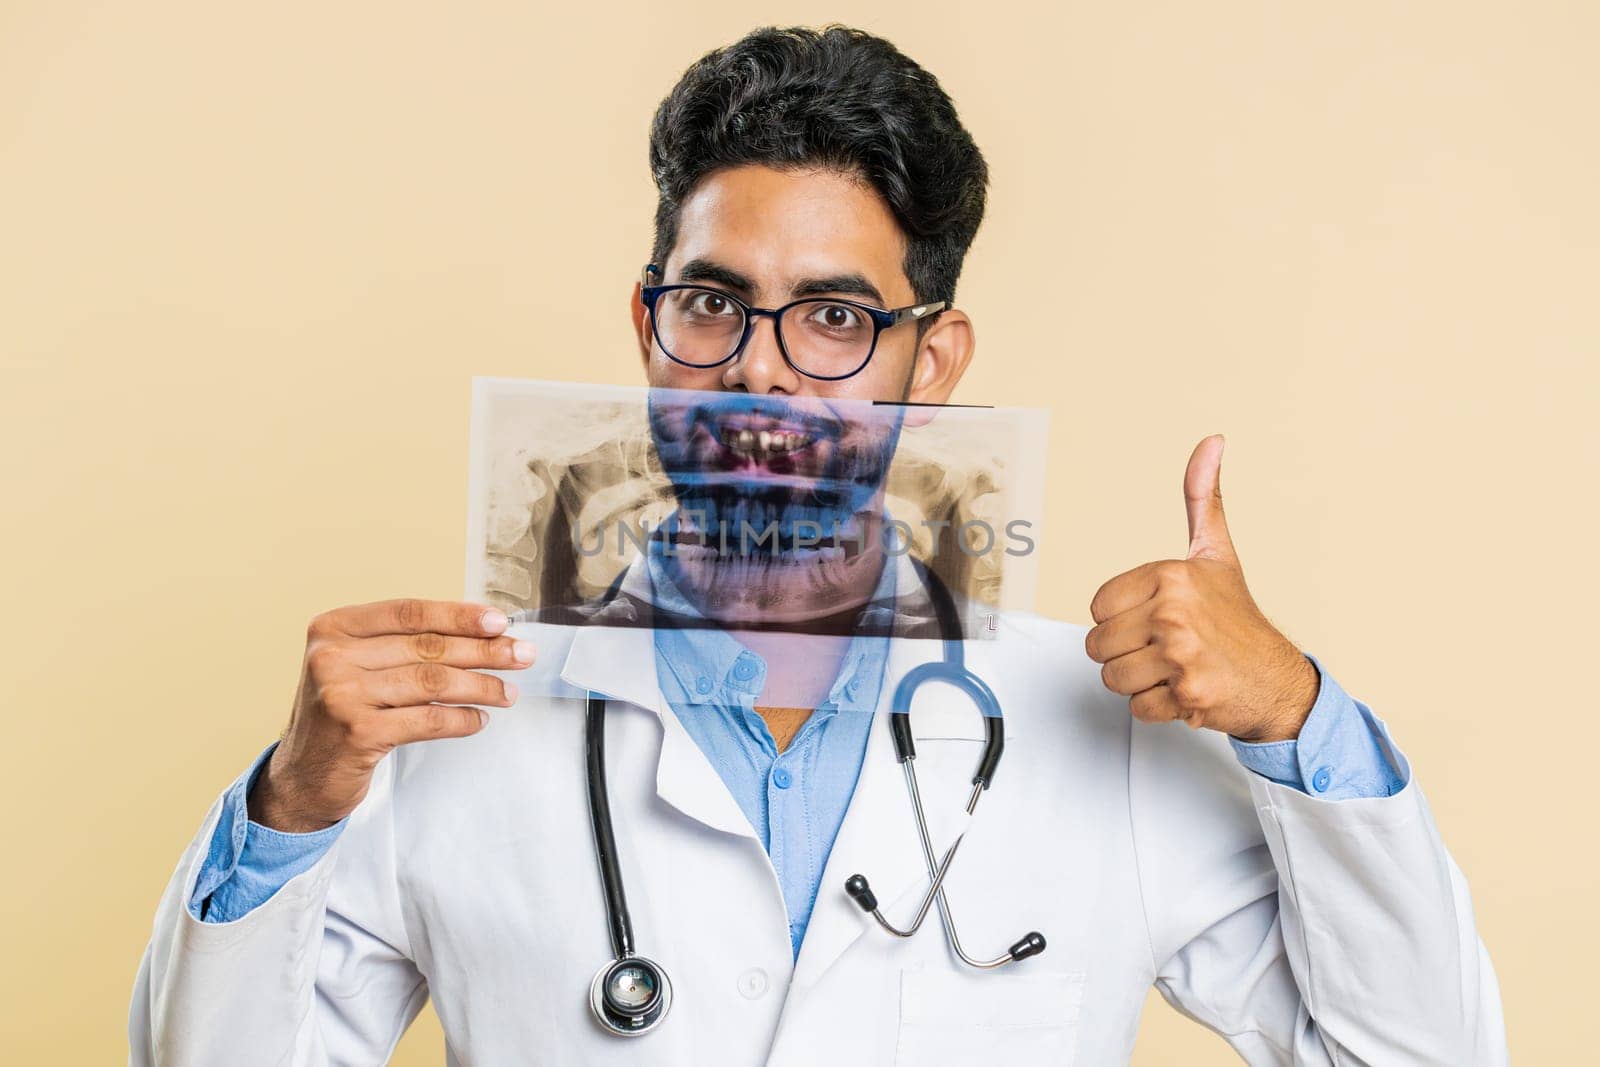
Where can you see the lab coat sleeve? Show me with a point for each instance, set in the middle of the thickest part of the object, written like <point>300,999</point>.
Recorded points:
<point>319,974</point>
<point>1305,930</point>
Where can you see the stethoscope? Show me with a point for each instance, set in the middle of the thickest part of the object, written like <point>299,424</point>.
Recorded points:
<point>631,994</point>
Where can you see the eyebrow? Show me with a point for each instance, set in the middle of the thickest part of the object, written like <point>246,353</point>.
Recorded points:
<point>709,270</point>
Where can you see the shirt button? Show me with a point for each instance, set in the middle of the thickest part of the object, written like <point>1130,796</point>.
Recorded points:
<point>781,777</point>
<point>1320,780</point>
<point>702,684</point>
<point>745,669</point>
<point>753,983</point>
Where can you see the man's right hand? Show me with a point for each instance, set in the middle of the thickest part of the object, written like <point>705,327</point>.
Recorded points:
<point>376,676</point>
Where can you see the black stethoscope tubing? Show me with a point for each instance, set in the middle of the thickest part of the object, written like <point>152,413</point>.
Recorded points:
<point>605,839</point>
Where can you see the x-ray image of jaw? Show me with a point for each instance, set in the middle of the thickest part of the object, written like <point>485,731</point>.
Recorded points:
<point>635,507</point>
<point>779,506</point>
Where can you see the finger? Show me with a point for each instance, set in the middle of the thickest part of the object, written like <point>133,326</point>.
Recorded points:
<point>1120,634</point>
<point>1127,590</point>
<point>422,683</point>
<point>429,722</point>
<point>410,615</point>
<point>395,650</point>
<point>1137,671</point>
<point>1202,498</point>
<point>1156,704</point>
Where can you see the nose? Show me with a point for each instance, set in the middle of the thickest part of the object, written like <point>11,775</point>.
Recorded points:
<point>760,368</point>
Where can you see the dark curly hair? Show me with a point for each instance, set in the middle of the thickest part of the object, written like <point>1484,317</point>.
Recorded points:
<point>837,97</point>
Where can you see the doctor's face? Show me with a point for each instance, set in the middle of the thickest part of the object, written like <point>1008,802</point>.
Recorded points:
<point>769,237</point>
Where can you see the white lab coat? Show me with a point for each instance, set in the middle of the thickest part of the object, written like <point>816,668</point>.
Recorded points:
<point>1305,931</point>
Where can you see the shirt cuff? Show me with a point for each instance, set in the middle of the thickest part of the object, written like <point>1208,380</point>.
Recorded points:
<point>1343,751</point>
<point>247,862</point>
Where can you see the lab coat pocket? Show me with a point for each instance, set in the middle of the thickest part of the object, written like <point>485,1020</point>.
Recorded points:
<point>988,1017</point>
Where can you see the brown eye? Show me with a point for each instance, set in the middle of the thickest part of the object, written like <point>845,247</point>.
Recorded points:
<point>837,317</point>
<point>707,304</point>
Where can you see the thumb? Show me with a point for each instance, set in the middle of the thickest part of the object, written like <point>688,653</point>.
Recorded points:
<point>1202,498</point>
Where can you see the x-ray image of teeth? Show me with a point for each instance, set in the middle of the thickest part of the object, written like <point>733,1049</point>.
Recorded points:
<point>634,507</point>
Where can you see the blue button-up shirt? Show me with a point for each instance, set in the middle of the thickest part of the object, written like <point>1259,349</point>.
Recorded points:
<point>795,800</point>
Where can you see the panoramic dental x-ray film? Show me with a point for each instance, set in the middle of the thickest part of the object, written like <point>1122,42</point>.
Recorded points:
<point>814,530</point>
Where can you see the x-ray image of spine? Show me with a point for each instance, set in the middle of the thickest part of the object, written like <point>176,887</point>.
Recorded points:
<point>572,485</point>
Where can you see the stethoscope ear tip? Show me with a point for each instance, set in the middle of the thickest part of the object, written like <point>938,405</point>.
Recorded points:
<point>860,892</point>
<point>1031,945</point>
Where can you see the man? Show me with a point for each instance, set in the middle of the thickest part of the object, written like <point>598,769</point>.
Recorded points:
<point>1274,871</point>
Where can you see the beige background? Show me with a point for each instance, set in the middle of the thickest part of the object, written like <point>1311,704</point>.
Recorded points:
<point>251,254</point>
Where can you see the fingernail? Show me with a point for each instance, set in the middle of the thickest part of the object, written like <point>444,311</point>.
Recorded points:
<point>493,621</point>
<point>523,651</point>
<point>511,693</point>
<point>484,717</point>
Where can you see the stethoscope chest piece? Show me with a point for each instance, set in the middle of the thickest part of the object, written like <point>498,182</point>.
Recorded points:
<point>630,996</point>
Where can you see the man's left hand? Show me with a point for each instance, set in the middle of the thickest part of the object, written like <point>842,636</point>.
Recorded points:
<point>1183,639</point>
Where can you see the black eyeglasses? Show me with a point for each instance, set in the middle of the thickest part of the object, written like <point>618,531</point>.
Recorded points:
<point>821,337</point>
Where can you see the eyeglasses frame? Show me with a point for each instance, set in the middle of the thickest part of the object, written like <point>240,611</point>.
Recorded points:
<point>882,319</point>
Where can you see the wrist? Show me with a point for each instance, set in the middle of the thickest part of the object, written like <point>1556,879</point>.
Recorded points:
<point>276,802</point>
<point>1296,697</point>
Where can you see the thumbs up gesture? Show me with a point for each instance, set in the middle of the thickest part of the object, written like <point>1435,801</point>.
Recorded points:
<point>1183,638</point>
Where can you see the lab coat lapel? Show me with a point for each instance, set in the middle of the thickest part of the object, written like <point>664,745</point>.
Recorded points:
<point>686,779</point>
<point>620,663</point>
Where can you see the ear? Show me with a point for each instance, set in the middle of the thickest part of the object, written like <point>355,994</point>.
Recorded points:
<point>641,327</point>
<point>942,358</point>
